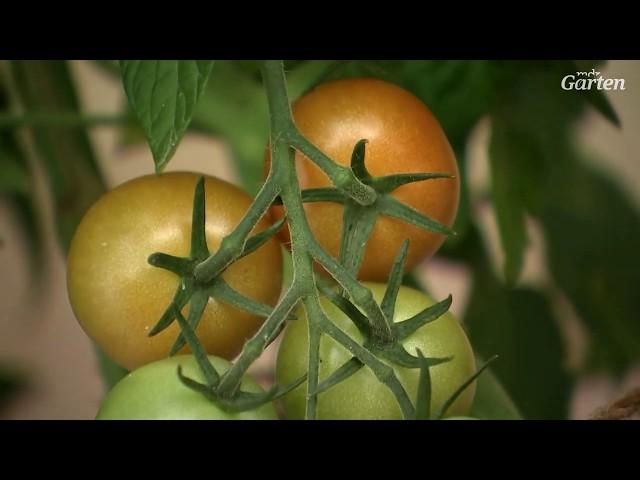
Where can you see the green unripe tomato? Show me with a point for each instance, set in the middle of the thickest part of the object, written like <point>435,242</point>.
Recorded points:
<point>154,392</point>
<point>362,396</point>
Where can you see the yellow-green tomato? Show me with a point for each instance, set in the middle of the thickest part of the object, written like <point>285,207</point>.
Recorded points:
<point>118,297</point>
<point>154,392</point>
<point>362,396</point>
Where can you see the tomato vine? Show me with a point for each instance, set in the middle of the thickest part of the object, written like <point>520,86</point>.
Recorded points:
<point>365,195</point>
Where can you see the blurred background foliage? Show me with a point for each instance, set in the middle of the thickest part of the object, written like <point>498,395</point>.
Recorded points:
<point>538,174</point>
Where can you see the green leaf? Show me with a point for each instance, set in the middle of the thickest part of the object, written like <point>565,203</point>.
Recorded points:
<point>592,235</point>
<point>492,402</point>
<point>239,115</point>
<point>71,165</point>
<point>457,91</point>
<point>507,197</point>
<point>14,178</point>
<point>597,98</point>
<point>164,94</point>
<point>518,325</point>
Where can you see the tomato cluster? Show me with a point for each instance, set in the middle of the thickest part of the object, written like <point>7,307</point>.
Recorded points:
<point>117,296</point>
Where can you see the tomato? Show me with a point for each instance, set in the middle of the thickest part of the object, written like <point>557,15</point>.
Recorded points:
<point>362,396</point>
<point>404,136</point>
<point>154,392</point>
<point>118,297</point>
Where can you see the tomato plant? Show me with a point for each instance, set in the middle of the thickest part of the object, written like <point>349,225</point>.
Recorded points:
<point>154,392</point>
<point>362,396</point>
<point>403,137</point>
<point>370,185</point>
<point>117,296</point>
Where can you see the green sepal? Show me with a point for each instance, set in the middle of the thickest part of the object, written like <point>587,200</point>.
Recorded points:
<point>391,207</point>
<point>208,370</point>
<point>347,369</point>
<point>197,305</point>
<point>389,183</point>
<point>407,327</point>
<point>388,304</point>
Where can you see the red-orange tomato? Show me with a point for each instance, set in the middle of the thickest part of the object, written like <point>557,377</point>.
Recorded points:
<point>118,297</point>
<point>403,137</point>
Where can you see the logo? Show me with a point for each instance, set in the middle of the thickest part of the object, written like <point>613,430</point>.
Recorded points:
<point>591,80</point>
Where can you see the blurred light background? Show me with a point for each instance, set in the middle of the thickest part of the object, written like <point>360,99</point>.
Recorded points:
<point>41,342</point>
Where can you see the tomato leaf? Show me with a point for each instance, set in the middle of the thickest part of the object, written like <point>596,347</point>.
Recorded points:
<point>164,94</point>
<point>238,114</point>
<point>597,98</point>
<point>14,178</point>
<point>592,234</point>
<point>507,199</point>
<point>519,326</point>
<point>66,152</point>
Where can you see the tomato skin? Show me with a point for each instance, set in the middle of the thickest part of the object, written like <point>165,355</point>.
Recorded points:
<point>154,392</point>
<point>118,297</point>
<point>362,396</point>
<point>403,137</point>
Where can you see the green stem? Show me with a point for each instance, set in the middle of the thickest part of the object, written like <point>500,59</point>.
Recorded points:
<point>60,119</point>
<point>382,371</point>
<point>232,245</point>
<point>256,345</point>
<point>314,316</point>
<point>342,177</point>
<point>304,247</point>
<point>381,333</point>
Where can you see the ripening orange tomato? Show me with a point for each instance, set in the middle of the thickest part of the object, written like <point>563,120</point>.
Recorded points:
<point>403,137</point>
